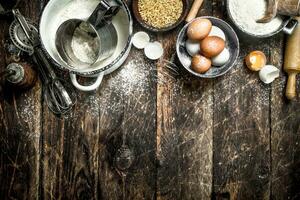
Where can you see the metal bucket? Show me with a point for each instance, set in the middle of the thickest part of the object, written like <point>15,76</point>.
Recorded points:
<point>58,11</point>
<point>288,25</point>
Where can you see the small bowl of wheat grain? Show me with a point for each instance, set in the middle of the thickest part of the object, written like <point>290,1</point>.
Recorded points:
<point>160,15</point>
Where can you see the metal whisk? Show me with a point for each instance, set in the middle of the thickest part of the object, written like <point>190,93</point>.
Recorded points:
<point>59,95</point>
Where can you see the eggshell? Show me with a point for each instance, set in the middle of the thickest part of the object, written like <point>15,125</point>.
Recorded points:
<point>268,74</point>
<point>200,64</point>
<point>140,40</point>
<point>256,60</point>
<point>199,29</point>
<point>212,46</point>
<point>221,59</point>
<point>192,47</point>
<point>154,50</point>
<point>216,31</point>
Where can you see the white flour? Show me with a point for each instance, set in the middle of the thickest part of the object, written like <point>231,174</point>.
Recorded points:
<point>245,13</point>
<point>84,45</point>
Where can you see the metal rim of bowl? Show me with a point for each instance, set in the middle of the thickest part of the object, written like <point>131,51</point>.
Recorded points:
<point>284,23</point>
<point>139,19</point>
<point>203,75</point>
<point>96,71</point>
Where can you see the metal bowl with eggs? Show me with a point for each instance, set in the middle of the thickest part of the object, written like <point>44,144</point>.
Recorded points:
<point>219,33</point>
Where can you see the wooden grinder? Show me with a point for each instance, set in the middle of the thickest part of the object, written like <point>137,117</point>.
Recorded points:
<point>292,61</point>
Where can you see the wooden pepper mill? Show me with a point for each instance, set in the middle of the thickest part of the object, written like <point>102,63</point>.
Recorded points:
<point>292,61</point>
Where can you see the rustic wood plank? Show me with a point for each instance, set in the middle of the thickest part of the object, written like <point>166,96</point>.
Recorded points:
<point>79,151</point>
<point>20,114</point>
<point>241,129</point>
<point>241,134</point>
<point>285,134</point>
<point>184,129</point>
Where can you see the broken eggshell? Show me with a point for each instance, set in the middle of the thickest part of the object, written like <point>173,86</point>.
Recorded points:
<point>268,74</point>
<point>154,50</point>
<point>256,60</point>
<point>140,40</point>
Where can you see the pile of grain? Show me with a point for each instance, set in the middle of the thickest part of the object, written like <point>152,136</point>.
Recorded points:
<point>160,13</point>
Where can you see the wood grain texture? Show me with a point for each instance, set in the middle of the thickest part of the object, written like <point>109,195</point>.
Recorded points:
<point>285,134</point>
<point>241,135</point>
<point>241,129</point>
<point>20,114</point>
<point>184,129</point>
<point>228,138</point>
<point>79,151</point>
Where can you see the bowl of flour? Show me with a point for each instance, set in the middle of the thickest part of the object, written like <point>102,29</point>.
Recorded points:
<point>245,13</point>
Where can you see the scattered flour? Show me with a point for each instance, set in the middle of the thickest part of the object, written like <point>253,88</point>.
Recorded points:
<point>130,77</point>
<point>117,89</point>
<point>245,13</point>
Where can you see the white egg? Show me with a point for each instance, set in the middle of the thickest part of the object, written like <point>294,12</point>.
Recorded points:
<point>268,74</point>
<point>192,47</point>
<point>221,59</point>
<point>216,31</point>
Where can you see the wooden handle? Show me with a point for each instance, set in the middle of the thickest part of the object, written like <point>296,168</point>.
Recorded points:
<point>292,61</point>
<point>194,10</point>
<point>291,87</point>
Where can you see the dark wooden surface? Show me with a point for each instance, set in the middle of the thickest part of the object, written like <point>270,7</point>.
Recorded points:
<point>228,138</point>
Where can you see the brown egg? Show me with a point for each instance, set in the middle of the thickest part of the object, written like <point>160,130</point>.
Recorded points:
<point>212,46</point>
<point>200,64</point>
<point>199,29</point>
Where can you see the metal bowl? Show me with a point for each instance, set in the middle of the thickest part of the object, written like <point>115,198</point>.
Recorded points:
<point>58,11</point>
<point>144,24</point>
<point>232,43</point>
<point>288,25</point>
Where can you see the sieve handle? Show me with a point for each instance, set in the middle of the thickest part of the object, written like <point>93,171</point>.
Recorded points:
<point>290,26</point>
<point>103,13</point>
<point>88,88</point>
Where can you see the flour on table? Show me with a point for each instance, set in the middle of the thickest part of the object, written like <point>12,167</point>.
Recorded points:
<point>245,13</point>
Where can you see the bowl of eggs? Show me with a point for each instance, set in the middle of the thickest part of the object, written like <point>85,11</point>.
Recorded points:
<point>207,47</point>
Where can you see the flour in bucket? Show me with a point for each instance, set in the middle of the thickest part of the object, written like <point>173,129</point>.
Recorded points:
<point>85,44</point>
<point>245,14</point>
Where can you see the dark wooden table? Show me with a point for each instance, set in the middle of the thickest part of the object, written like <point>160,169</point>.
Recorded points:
<point>228,138</point>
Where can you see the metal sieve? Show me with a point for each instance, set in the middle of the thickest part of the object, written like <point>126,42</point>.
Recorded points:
<point>82,43</point>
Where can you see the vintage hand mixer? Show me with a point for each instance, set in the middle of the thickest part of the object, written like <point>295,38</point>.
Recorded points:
<point>59,95</point>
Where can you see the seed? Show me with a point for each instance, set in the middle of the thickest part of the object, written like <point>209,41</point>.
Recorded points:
<point>160,13</point>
